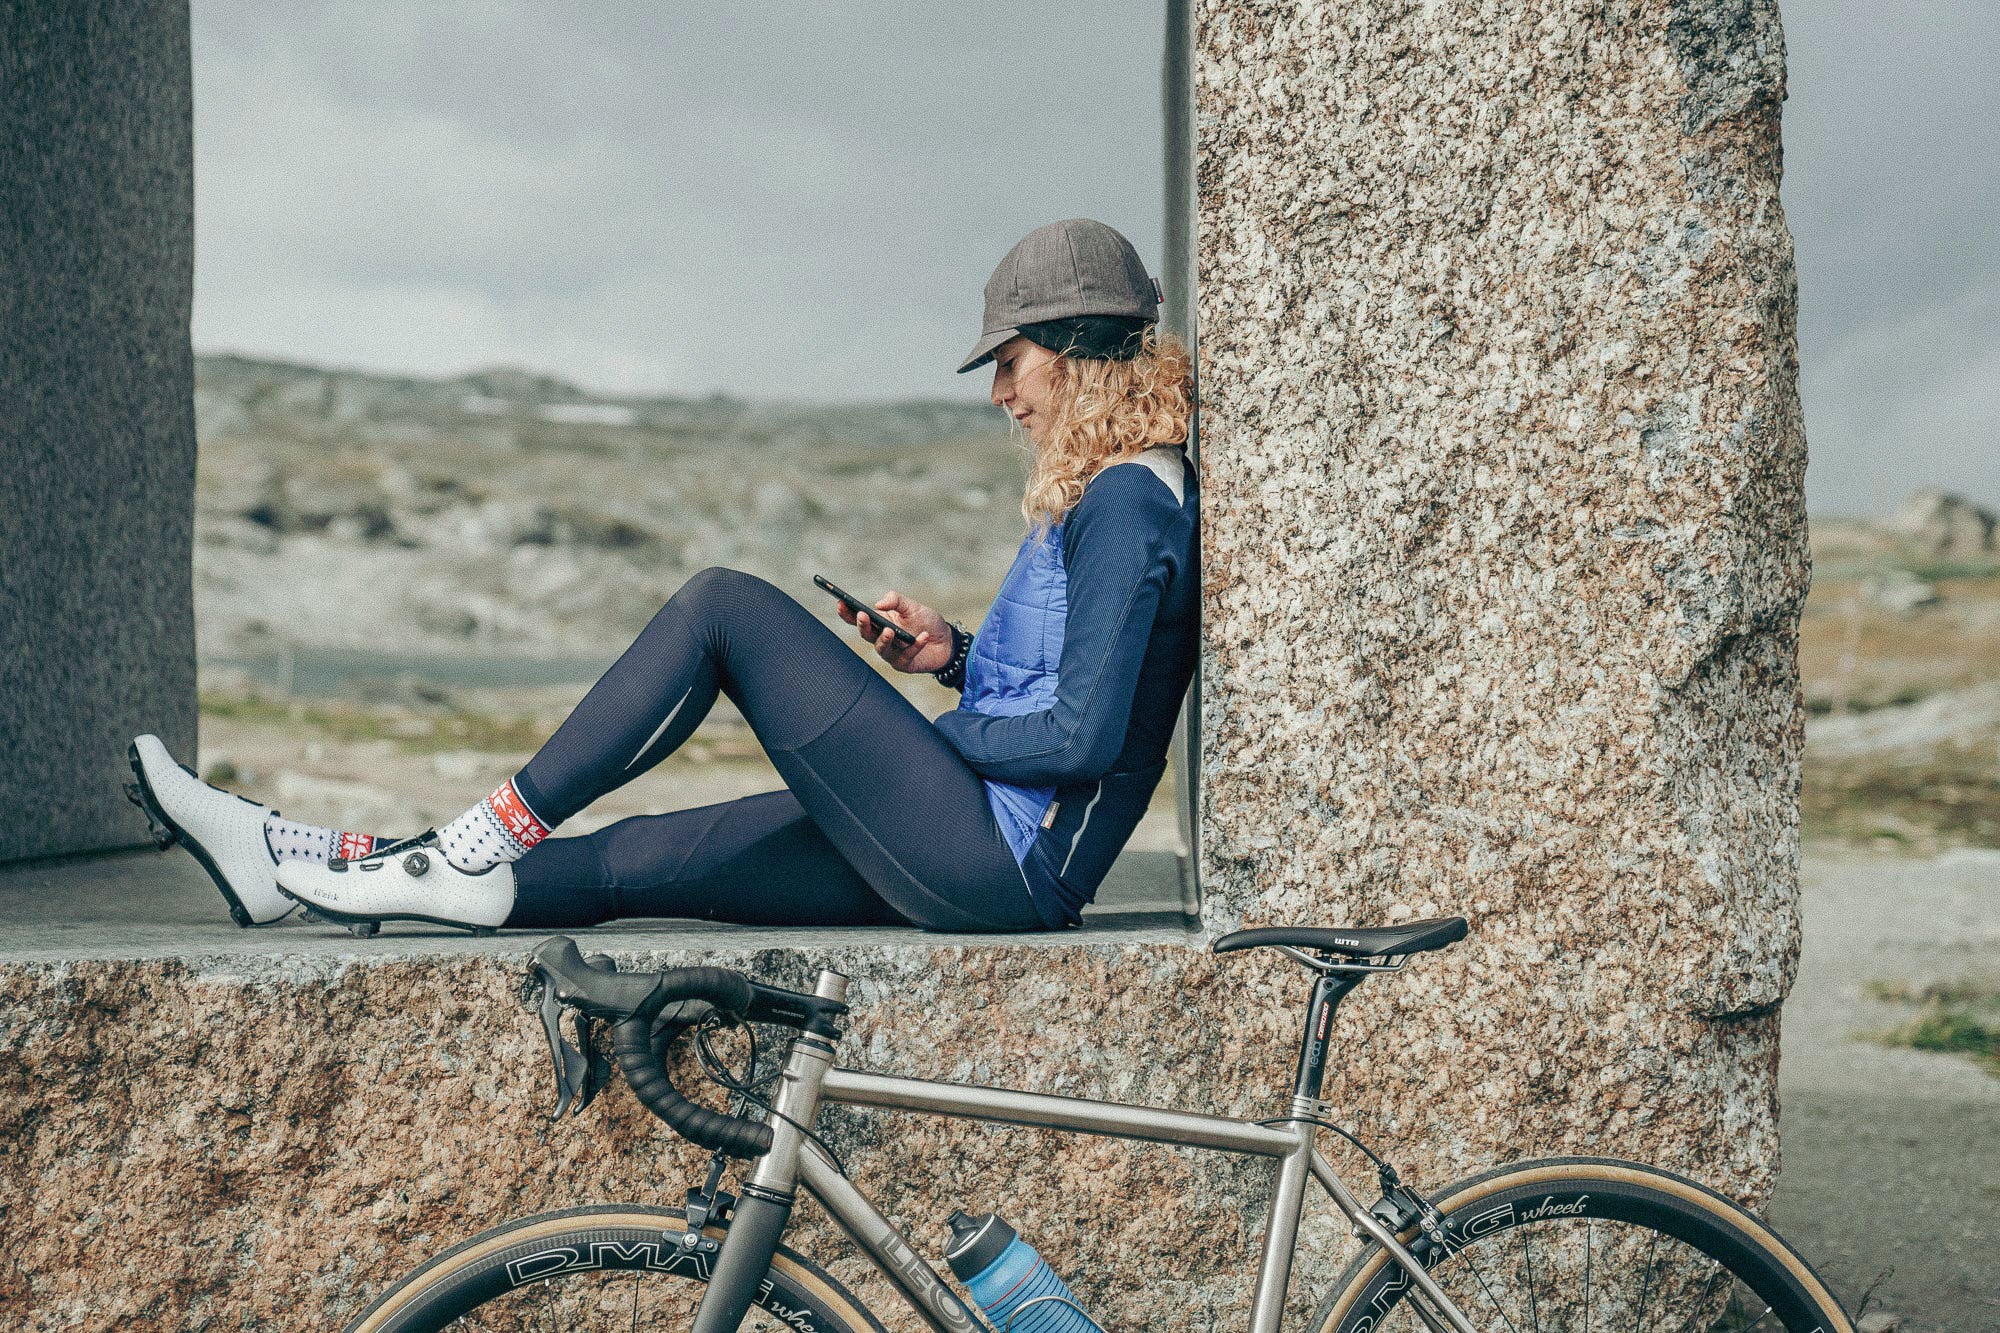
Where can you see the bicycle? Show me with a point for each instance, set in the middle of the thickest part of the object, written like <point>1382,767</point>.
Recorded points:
<point>1569,1242</point>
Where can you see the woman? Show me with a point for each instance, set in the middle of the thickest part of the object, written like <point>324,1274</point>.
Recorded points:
<point>1002,815</point>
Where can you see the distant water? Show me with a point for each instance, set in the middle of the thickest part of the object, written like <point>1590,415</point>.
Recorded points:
<point>338,671</point>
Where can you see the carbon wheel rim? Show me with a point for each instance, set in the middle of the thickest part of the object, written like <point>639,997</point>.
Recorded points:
<point>1558,1249</point>
<point>588,1273</point>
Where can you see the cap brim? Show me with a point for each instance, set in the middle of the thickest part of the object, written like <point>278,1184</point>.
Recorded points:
<point>982,351</point>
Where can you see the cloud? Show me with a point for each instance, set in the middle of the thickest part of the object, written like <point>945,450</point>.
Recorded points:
<point>1907,402</point>
<point>1892,188</point>
<point>773,200</point>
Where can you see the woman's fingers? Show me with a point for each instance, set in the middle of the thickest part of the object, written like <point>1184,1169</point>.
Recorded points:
<point>876,630</point>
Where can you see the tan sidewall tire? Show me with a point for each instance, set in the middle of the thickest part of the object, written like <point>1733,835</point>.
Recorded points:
<point>1568,1172</point>
<point>841,1311</point>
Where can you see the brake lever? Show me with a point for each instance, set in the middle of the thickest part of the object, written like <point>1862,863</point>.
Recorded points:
<point>596,1065</point>
<point>572,1066</point>
<point>581,1072</point>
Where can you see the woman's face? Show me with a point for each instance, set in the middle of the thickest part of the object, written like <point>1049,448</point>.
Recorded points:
<point>1021,383</point>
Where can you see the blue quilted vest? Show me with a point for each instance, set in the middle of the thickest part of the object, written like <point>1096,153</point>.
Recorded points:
<point>1012,669</point>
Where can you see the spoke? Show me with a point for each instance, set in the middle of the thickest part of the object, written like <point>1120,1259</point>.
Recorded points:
<point>1529,1255</point>
<point>1491,1299</point>
<point>635,1302</point>
<point>1589,1228</point>
<point>1646,1291</point>
<point>555,1321</point>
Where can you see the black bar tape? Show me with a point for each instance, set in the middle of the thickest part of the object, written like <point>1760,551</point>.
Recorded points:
<point>632,1042</point>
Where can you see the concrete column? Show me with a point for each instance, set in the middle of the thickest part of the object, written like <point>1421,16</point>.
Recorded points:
<point>1505,545</point>
<point>97,450</point>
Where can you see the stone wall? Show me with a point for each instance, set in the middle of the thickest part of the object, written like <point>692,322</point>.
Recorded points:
<point>1505,547</point>
<point>97,448</point>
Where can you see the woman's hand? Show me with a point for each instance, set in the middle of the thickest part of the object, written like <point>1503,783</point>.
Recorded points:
<point>931,651</point>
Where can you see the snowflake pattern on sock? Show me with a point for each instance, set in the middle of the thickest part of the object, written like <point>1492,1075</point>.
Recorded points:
<point>290,840</point>
<point>500,828</point>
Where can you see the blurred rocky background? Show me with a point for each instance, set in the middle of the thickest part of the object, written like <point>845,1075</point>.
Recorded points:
<point>513,514</point>
<point>1900,650</point>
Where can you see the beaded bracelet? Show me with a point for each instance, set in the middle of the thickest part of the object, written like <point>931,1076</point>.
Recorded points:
<point>952,675</point>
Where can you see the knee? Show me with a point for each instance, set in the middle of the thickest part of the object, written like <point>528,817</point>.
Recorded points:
<point>719,586</point>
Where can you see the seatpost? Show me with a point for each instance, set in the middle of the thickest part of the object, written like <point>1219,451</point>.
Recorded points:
<point>1328,989</point>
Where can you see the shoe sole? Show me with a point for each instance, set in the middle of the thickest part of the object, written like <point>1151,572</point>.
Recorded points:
<point>366,926</point>
<point>166,833</point>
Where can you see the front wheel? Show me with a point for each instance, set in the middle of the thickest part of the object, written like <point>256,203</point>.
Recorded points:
<point>1582,1242</point>
<point>618,1267</point>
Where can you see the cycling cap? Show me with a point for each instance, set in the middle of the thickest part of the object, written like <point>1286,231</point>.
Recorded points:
<point>1079,275</point>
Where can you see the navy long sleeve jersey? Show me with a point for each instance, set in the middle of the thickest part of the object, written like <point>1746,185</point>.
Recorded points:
<point>1078,673</point>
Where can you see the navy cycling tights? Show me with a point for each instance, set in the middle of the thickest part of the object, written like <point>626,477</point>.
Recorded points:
<point>883,822</point>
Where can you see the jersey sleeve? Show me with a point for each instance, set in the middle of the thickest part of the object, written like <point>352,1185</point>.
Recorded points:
<point>1115,544</point>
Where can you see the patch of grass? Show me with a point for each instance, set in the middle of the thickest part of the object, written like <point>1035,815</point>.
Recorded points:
<point>1950,798</point>
<point>1958,993</point>
<point>1939,571</point>
<point>1953,1034</point>
<point>413,732</point>
<point>1823,706</point>
<point>1957,1018</point>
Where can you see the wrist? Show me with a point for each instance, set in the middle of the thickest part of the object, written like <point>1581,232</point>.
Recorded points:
<point>952,674</point>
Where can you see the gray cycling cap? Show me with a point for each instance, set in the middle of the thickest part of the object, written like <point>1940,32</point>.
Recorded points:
<point>1068,268</point>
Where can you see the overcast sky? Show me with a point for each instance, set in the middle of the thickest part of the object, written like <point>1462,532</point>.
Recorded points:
<point>784,200</point>
<point>791,200</point>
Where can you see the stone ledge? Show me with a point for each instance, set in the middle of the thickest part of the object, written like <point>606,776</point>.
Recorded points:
<point>270,1138</point>
<point>144,905</point>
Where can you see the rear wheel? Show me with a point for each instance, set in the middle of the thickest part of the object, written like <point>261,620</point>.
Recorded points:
<point>1580,1243</point>
<point>596,1269</point>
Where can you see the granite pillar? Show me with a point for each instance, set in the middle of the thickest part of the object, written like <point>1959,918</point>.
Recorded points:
<point>97,449</point>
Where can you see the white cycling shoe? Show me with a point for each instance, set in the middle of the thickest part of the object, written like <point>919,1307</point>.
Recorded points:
<point>405,881</point>
<point>223,831</point>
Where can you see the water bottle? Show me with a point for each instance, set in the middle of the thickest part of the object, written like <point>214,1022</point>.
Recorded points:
<point>1011,1282</point>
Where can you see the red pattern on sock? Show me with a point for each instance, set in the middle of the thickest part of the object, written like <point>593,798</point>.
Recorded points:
<point>353,846</point>
<point>514,815</point>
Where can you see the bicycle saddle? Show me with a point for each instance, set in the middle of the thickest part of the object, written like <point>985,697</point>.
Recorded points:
<point>1352,942</point>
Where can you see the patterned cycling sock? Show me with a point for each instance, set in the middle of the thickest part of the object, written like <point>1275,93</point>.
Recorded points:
<point>500,828</point>
<point>290,840</point>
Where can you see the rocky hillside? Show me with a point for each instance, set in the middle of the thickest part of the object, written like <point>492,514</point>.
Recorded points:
<point>515,513</point>
<point>1900,651</point>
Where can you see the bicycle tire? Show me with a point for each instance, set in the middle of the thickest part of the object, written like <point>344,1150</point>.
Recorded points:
<point>1612,1204</point>
<point>496,1279</point>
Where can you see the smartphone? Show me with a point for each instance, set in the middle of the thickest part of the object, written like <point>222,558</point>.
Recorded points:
<point>861,608</point>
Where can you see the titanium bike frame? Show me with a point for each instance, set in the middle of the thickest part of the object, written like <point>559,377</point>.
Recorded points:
<point>810,1077</point>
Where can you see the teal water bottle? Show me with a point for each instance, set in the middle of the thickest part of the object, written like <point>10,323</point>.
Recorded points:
<point>1014,1285</point>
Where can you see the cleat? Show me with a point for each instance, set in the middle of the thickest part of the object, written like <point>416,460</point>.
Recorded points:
<point>163,834</point>
<point>221,830</point>
<point>407,881</point>
<point>310,916</point>
<point>364,929</point>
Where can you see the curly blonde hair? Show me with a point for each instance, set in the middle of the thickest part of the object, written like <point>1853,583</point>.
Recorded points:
<point>1103,413</point>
